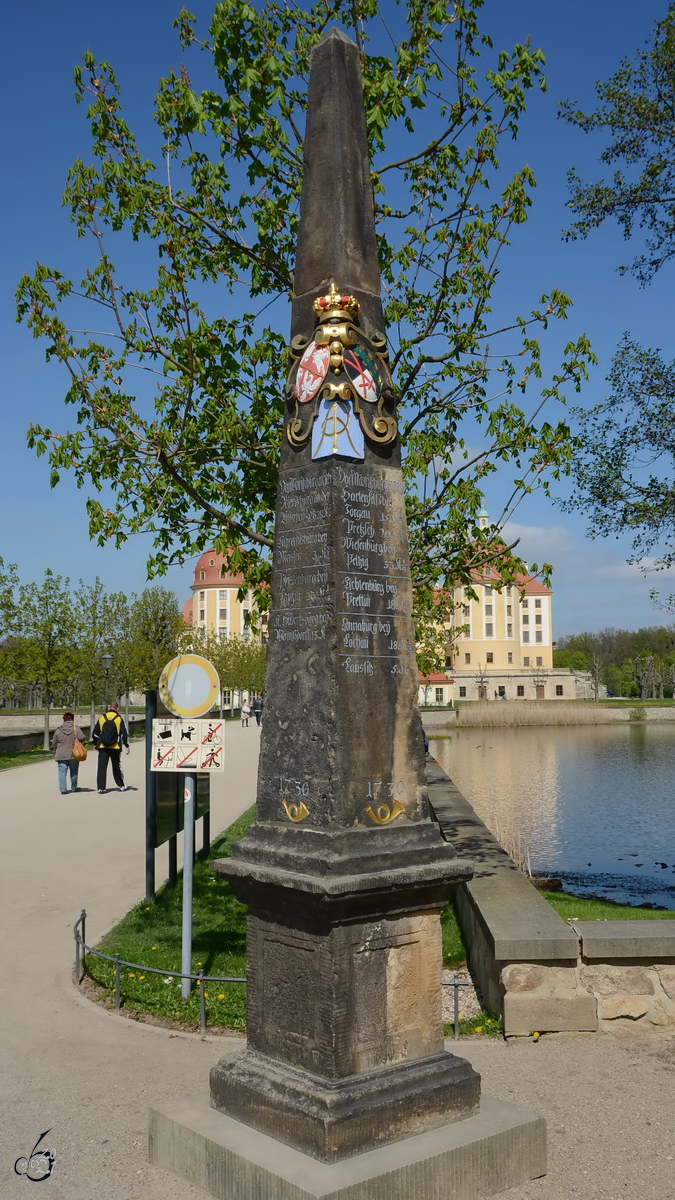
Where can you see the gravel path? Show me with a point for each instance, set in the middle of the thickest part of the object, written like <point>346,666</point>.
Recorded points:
<point>91,1076</point>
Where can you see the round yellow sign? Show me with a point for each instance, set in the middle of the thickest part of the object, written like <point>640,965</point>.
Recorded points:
<point>189,685</point>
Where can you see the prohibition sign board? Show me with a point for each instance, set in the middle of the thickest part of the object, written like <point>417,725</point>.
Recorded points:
<point>189,685</point>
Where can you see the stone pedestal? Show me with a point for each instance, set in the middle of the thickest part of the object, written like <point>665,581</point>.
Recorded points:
<point>499,1147</point>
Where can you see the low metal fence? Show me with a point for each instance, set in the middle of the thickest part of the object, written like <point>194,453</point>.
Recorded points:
<point>82,949</point>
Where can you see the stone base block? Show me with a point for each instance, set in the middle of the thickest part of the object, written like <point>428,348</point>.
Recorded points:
<point>497,1148</point>
<point>525,1014</point>
<point>325,1117</point>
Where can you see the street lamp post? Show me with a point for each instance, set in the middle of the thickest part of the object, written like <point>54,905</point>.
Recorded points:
<point>106,660</point>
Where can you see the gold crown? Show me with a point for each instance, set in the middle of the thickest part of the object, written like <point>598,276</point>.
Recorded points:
<point>336,307</point>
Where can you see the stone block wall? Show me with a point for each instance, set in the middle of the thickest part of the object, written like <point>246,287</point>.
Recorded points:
<point>538,972</point>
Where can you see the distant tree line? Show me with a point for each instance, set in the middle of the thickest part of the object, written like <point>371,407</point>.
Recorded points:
<point>53,638</point>
<point>630,663</point>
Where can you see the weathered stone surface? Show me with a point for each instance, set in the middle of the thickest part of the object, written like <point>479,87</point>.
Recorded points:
<point>603,941</point>
<point>662,1014</point>
<point>563,979</point>
<point>519,977</point>
<point>499,1148</point>
<point>623,1006</point>
<point>525,1014</point>
<point>606,980</point>
<point>344,872</point>
<point>667,977</point>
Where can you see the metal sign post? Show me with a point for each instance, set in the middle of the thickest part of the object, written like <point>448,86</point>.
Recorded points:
<point>190,795</point>
<point>188,687</point>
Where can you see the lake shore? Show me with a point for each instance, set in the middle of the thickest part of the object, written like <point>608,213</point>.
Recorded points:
<point>497,714</point>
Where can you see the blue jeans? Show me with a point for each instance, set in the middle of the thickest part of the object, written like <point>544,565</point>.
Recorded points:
<point>73,765</point>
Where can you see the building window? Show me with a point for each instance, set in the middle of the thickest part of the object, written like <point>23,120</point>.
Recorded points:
<point>525,603</point>
<point>508,610</point>
<point>448,662</point>
<point>509,630</point>
<point>488,629</point>
<point>508,591</point>
<point>488,610</point>
<point>462,693</point>
<point>510,658</point>
<point>466,610</point>
<point>489,656</point>
<point>467,593</point>
<point>222,614</point>
<point>526,635</point>
<point>222,634</point>
<point>201,614</point>
<point>226,698</point>
<point>520,690</point>
<point>202,574</point>
<point>526,619</point>
<point>558,689</point>
<point>439,695</point>
<point>212,562</point>
<point>488,592</point>
<point>222,594</point>
<point>526,661</point>
<point>467,658</point>
<point>201,595</point>
<point>538,636</point>
<point>537,604</point>
<point>537,619</point>
<point>502,693</point>
<point>540,662</point>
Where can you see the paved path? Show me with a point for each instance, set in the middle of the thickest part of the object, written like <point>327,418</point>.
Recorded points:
<point>90,1075</point>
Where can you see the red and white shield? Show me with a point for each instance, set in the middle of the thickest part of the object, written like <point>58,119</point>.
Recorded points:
<point>311,372</point>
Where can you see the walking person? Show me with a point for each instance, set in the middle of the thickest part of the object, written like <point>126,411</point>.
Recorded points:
<point>245,714</point>
<point>63,741</point>
<point>110,734</point>
<point>258,705</point>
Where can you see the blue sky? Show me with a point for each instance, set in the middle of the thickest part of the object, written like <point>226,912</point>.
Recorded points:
<point>45,130</point>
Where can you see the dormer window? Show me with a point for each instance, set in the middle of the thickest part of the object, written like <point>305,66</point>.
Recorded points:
<point>202,575</point>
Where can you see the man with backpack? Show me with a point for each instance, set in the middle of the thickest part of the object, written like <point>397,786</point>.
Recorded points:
<point>110,734</point>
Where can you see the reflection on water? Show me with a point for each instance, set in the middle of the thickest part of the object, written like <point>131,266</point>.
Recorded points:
<point>594,804</point>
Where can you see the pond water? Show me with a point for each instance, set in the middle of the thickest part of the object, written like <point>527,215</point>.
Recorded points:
<point>593,805</point>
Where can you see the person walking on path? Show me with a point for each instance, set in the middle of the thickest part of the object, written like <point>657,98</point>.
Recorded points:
<point>245,714</point>
<point>258,705</point>
<point>63,742</point>
<point>110,734</point>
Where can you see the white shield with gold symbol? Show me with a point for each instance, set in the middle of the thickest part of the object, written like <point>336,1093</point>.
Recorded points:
<point>337,431</point>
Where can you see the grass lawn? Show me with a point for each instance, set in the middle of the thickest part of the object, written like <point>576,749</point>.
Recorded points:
<point>572,908</point>
<point>150,934</point>
<point>21,758</point>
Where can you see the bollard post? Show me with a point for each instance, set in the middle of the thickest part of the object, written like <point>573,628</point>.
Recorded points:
<point>206,832</point>
<point>456,990</point>
<point>77,956</point>
<point>117,981</point>
<point>83,918</point>
<point>202,1002</point>
<point>150,797</point>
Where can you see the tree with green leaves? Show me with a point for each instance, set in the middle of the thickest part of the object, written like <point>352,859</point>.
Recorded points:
<point>626,468</point>
<point>177,398</point>
<point>101,621</point>
<point>151,639</point>
<point>46,625</point>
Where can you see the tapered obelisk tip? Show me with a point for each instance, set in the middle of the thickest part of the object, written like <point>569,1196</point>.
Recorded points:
<point>336,238</point>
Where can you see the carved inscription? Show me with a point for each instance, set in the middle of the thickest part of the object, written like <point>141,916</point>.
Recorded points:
<point>365,584</point>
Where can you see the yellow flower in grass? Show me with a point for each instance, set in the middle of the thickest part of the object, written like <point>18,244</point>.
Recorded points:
<point>131,975</point>
<point>141,976</point>
<point>479,1028</point>
<point>221,996</point>
<point>153,947</point>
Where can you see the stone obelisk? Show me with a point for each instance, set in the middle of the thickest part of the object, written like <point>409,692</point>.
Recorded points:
<point>344,873</point>
<point>344,1089</point>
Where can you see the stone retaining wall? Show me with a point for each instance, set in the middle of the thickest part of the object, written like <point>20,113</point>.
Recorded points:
<point>536,971</point>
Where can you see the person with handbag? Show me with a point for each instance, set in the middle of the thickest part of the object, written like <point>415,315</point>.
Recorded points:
<point>69,751</point>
